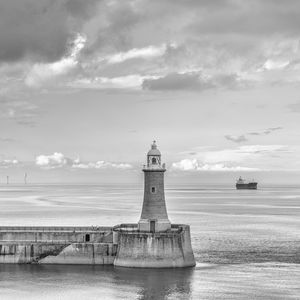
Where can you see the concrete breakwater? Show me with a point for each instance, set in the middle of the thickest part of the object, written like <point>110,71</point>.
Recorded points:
<point>167,249</point>
<point>57,245</point>
<point>41,253</point>
<point>122,245</point>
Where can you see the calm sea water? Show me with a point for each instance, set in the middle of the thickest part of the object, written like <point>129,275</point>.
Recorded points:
<point>246,243</point>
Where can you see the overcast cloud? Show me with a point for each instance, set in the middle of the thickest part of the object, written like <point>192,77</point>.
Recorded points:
<point>89,76</point>
<point>207,43</point>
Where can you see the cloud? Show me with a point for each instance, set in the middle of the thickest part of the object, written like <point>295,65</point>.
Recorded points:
<point>175,81</point>
<point>242,153</point>
<point>44,72</point>
<point>262,148</point>
<point>7,163</point>
<point>243,158</point>
<point>266,131</point>
<point>208,46</point>
<point>170,44</point>
<point>146,52</point>
<point>191,81</point>
<point>111,28</point>
<point>55,160</point>
<point>59,160</point>
<point>235,138</point>
<point>236,17</point>
<point>101,165</point>
<point>132,81</point>
<point>275,65</point>
<point>195,165</point>
<point>243,138</point>
<point>275,128</point>
<point>40,30</point>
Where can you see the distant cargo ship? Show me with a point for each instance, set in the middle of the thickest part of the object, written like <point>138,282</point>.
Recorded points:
<point>242,184</point>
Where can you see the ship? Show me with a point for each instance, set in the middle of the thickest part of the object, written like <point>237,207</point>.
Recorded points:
<point>242,184</point>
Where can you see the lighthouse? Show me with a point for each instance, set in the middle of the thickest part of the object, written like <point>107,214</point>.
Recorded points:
<point>154,217</point>
<point>153,242</point>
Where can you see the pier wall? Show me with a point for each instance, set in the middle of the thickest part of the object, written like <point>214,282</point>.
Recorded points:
<point>155,250</point>
<point>123,245</point>
<point>57,245</point>
<point>58,253</point>
<point>57,234</point>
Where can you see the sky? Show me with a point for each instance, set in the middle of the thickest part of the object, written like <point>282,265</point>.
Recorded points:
<point>85,86</point>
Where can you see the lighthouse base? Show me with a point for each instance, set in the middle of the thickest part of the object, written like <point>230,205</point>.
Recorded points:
<point>138,249</point>
<point>154,225</point>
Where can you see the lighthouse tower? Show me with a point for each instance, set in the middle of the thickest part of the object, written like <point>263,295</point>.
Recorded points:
<point>154,242</point>
<point>154,217</point>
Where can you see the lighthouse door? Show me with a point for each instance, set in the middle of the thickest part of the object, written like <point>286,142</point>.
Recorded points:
<point>152,226</point>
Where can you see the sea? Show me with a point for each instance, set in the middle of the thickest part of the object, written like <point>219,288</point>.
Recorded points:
<point>246,242</point>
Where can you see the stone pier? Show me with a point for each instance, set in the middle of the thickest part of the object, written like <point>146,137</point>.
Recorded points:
<point>151,243</point>
<point>57,245</point>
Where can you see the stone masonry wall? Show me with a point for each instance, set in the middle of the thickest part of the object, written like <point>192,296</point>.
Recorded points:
<point>154,206</point>
<point>155,250</point>
<point>56,234</point>
<point>58,253</point>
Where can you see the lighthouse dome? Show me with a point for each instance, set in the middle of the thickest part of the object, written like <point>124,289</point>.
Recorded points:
<point>153,151</point>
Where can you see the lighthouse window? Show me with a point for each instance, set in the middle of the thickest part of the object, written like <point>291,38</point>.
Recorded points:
<point>154,161</point>
<point>153,190</point>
